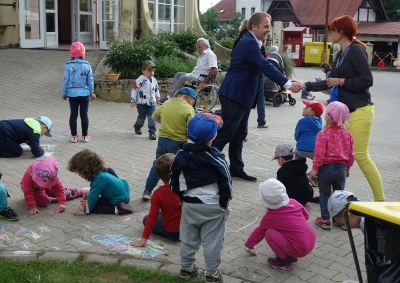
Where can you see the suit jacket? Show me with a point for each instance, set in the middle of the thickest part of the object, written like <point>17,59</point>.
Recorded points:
<point>242,79</point>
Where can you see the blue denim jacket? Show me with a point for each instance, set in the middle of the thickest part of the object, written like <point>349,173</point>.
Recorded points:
<point>78,79</point>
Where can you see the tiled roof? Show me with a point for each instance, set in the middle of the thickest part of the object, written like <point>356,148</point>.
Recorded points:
<point>225,9</point>
<point>388,28</point>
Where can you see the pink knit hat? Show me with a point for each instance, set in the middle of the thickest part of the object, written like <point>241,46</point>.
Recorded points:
<point>77,49</point>
<point>338,111</point>
<point>45,172</point>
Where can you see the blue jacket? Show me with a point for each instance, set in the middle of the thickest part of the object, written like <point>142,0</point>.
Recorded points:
<point>201,165</point>
<point>306,132</point>
<point>19,132</point>
<point>78,79</point>
<point>247,64</point>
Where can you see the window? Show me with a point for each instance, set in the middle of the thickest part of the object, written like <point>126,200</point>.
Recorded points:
<point>165,18</point>
<point>253,10</point>
<point>244,12</point>
<point>285,25</point>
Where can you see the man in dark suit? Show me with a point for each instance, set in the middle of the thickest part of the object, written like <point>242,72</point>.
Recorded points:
<point>239,90</point>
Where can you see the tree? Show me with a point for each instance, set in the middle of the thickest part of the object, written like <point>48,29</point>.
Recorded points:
<point>209,20</point>
<point>392,8</point>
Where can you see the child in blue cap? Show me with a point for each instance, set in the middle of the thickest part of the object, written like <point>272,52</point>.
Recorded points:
<point>174,116</point>
<point>28,130</point>
<point>200,177</point>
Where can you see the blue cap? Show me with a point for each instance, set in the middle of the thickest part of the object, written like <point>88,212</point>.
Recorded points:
<point>188,91</point>
<point>45,120</point>
<point>202,128</point>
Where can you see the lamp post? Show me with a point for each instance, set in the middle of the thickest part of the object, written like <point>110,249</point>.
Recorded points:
<point>324,55</point>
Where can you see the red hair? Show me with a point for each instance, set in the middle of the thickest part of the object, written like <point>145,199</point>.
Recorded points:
<point>348,26</point>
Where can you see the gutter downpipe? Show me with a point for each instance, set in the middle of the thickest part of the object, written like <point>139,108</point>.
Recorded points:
<point>139,29</point>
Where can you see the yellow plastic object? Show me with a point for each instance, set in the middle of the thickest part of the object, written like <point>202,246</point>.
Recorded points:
<point>313,52</point>
<point>388,211</point>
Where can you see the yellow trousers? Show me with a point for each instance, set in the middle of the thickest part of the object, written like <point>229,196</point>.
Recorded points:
<point>360,125</point>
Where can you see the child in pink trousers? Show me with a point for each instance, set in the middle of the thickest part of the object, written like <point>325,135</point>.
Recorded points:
<point>41,182</point>
<point>284,227</point>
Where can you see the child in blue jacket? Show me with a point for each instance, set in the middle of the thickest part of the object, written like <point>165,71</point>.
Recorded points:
<point>78,87</point>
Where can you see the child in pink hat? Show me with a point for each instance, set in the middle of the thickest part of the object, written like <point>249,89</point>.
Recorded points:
<point>40,183</point>
<point>333,157</point>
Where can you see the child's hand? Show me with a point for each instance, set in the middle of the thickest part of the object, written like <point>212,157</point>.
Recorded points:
<point>139,243</point>
<point>157,100</point>
<point>313,174</point>
<point>79,212</point>
<point>250,251</point>
<point>63,97</point>
<point>92,96</point>
<point>44,147</point>
<point>33,211</point>
<point>347,173</point>
<point>133,105</point>
<point>61,208</point>
<point>83,202</point>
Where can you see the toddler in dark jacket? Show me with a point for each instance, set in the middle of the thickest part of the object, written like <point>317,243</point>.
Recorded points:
<point>293,174</point>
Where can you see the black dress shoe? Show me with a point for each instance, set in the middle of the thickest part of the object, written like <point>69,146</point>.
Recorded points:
<point>244,176</point>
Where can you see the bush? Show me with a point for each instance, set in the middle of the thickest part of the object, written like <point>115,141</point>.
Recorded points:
<point>227,42</point>
<point>166,67</point>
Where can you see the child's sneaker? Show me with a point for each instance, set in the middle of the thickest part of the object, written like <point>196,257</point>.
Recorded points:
<point>123,208</point>
<point>341,226</point>
<point>138,131</point>
<point>9,214</point>
<point>188,273</point>
<point>216,277</point>
<point>74,139</point>
<point>86,138</point>
<point>324,224</point>
<point>146,195</point>
<point>280,263</point>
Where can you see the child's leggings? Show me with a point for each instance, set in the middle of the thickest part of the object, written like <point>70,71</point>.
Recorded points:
<point>79,104</point>
<point>42,197</point>
<point>360,127</point>
<point>281,246</point>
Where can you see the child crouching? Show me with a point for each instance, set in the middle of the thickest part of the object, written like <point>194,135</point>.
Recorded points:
<point>284,227</point>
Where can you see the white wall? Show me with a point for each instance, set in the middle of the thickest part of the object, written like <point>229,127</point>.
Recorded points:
<point>259,5</point>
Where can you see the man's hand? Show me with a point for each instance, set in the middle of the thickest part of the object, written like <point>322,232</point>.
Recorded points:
<point>296,86</point>
<point>201,85</point>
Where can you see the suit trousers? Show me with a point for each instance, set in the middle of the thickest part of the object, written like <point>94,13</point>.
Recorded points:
<point>234,131</point>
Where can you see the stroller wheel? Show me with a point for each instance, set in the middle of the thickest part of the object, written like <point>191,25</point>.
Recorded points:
<point>277,100</point>
<point>292,101</point>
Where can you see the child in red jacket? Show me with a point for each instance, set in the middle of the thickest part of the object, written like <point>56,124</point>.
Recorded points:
<point>40,182</point>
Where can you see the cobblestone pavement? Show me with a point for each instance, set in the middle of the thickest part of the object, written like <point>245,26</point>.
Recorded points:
<point>31,86</point>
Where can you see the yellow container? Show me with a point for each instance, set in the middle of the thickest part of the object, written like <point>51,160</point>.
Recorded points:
<point>388,211</point>
<point>313,52</point>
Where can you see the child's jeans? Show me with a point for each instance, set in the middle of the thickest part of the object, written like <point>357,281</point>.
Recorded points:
<point>330,175</point>
<point>81,104</point>
<point>160,230</point>
<point>164,146</point>
<point>145,110</point>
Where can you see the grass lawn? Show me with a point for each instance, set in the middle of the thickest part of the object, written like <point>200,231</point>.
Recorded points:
<point>41,271</point>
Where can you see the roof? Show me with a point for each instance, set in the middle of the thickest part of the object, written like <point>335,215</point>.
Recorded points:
<point>388,28</point>
<point>313,12</point>
<point>294,28</point>
<point>225,9</point>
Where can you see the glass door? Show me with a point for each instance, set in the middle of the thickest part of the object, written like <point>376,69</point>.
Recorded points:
<point>82,24</point>
<point>51,23</point>
<point>31,23</point>
<point>108,12</point>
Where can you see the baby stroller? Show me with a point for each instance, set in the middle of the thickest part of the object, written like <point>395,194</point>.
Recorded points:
<point>273,92</point>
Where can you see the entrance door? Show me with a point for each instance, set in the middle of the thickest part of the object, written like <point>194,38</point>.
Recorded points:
<point>83,23</point>
<point>108,11</point>
<point>31,23</point>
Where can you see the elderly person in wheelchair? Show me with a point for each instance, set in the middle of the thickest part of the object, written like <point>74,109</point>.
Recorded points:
<point>205,70</point>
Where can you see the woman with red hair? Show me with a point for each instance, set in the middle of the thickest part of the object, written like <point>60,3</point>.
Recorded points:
<point>351,74</point>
